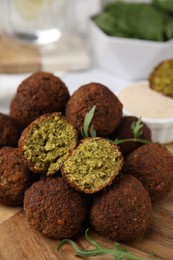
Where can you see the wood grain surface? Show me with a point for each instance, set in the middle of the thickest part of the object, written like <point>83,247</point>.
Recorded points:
<point>17,57</point>
<point>19,241</point>
<point>65,55</point>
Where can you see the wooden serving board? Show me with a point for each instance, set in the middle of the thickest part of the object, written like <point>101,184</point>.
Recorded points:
<point>18,241</point>
<point>67,54</point>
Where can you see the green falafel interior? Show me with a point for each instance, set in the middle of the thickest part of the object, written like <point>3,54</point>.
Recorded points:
<point>47,143</point>
<point>161,78</point>
<point>93,165</point>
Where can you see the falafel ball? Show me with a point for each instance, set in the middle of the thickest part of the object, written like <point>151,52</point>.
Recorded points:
<point>108,111</point>
<point>152,164</point>
<point>47,142</point>
<point>93,165</point>
<point>161,78</point>
<point>40,93</point>
<point>122,211</point>
<point>9,131</point>
<point>55,209</point>
<point>124,131</point>
<point>15,178</point>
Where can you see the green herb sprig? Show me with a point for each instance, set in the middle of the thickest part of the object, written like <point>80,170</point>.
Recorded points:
<point>136,129</point>
<point>118,252</point>
<point>85,131</point>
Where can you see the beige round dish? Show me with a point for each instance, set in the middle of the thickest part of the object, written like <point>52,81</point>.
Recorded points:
<point>155,109</point>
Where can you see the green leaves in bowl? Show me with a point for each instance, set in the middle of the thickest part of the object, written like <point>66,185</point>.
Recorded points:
<point>136,20</point>
<point>166,5</point>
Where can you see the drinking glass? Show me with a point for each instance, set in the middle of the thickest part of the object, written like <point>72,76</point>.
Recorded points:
<point>37,21</point>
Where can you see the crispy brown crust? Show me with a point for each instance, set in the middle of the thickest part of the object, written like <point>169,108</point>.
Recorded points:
<point>108,111</point>
<point>122,211</point>
<point>152,164</point>
<point>15,178</point>
<point>54,208</point>
<point>91,191</point>
<point>27,130</point>
<point>9,131</point>
<point>40,93</point>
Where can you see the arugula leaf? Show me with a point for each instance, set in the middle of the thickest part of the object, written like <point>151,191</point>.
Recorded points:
<point>136,128</point>
<point>139,140</point>
<point>118,251</point>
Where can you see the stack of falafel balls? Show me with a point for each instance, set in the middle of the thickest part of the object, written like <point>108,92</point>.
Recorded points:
<point>65,181</point>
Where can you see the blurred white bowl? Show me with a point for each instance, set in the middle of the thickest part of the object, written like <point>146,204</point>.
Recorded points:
<point>130,58</point>
<point>161,128</point>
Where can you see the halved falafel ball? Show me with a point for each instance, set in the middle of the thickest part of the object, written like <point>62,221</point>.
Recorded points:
<point>161,78</point>
<point>108,111</point>
<point>123,131</point>
<point>55,209</point>
<point>47,142</point>
<point>122,211</point>
<point>152,164</point>
<point>15,178</point>
<point>9,131</point>
<point>40,93</point>
<point>93,165</point>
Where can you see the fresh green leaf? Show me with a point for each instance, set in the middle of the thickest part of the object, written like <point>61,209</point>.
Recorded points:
<point>138,140</point>
<point>119,11</point>
<point>90,240</point>
<point>106,22</point>
<point>169,28</point>
<point>92,131</point>
<point>135,20</point>
<point>117,8</point>
<point>139,19</point>
<point>119,247</point>
<point>136,128</point>
<point>68,241</point>
<point>145,21</point>
<point>164,4</point>
<point>111,26</point>
<point>118,251</point>
<point>87,120</point>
